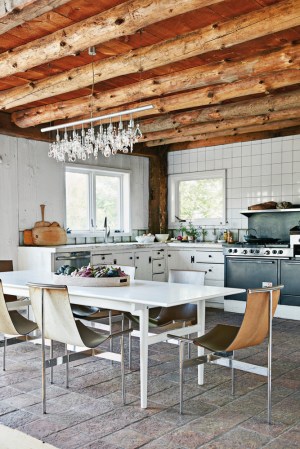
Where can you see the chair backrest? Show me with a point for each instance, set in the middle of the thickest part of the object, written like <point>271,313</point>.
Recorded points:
<point>59,323</point>
<point>6,324</point>
<point>255,326</point>
<point>187,276</point>
<point>128,270</point>
<point>184,312</point>
<point>7,265</point>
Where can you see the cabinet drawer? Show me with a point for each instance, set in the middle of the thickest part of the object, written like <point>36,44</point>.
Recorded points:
<point>213,271</point>
<point>159,277</point>
<point>104,258</point>
<point>209,256</point>
<point>158,266</point>
<point>158,254</point>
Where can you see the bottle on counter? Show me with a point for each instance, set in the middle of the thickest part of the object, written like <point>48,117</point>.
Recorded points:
<point>229,237</point>
<point>225,235</point>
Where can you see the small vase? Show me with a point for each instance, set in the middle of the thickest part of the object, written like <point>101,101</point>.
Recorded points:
<point>190,238</point>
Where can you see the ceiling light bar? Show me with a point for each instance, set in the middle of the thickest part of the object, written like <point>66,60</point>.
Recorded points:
<point>95,119</point>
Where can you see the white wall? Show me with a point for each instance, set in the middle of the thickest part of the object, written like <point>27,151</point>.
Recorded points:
<point>258,171</point>
<point>28,178</point>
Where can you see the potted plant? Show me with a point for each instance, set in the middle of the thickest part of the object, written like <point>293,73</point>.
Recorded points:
<point>191,231</point>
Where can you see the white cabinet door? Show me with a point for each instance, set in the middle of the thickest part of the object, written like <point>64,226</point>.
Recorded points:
<point>143,265</point>
<point>180,260</point>
<point>209,256</point>
<point>125,259</point>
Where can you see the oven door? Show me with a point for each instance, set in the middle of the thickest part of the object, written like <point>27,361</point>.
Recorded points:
<point>76,259</point>
<point>289,277</point>
<point>246,273</point>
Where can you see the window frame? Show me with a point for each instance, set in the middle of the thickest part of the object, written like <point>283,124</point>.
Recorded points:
<point>125,212</point>
<point>173,196</point>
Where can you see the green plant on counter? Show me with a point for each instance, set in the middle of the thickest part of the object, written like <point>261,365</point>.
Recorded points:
<point>191,230</point>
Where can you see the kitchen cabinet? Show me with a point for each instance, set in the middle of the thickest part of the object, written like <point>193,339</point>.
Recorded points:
<point>290,278</point>
<point>180,259</point>
<point>101,257</point>
<point>158,265</point>
<point>124,258</point>
<point>143,265</point>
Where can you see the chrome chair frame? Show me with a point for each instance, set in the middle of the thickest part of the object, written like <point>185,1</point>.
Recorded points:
<point>215,358</point>
<point>77,354</point>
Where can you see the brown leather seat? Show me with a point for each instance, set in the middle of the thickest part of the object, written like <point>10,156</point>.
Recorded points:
<point>224,339</point>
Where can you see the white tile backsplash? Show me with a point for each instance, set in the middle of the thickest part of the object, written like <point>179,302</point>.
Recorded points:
<point>256,171</point>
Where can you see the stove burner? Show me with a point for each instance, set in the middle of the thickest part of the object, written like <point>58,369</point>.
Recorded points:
<point>279,249</point>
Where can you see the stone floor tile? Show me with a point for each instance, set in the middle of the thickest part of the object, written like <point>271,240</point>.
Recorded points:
<point>153,425</point>
<point>238,438</point>
<point>128,438</point>
<point>69,438</point>
<point>17,418</point>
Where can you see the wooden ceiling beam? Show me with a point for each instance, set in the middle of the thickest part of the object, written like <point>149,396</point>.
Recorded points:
<point>210,74</point>
<point>245,108</point>
<point>121,20</point>
<point>215,94</point>
<point>225,140</point>
<point>268,20</point>
<point>219,126</point>
<point>283,124</point>
<point>16,12</point>
<point>10,129</point>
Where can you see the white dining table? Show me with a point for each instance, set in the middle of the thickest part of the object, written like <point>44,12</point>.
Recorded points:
<point>137,298</point>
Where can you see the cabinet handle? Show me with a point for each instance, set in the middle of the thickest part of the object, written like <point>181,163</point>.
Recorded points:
<point>130,258</point>
<point>292,263</point>
<point>169,255</point>
<point>103,257</point>
<point>192,259</point>
<point>150,259</point>
<point>159,264</point>
<point>115,261</point>
<point>210,270</point>
<point>137,257</point>
<point>209,255</point>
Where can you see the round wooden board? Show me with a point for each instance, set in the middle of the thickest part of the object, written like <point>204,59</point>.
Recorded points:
<point>61,279</point>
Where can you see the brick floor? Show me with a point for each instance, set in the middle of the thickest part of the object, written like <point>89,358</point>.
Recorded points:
<point>90,414</point>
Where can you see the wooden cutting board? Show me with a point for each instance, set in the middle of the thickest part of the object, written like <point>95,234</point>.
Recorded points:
<point>49,236</point>
<point>43,222</point>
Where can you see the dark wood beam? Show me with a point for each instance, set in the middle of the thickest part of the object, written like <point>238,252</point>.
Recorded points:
<point>10,129</point>
<point>158,191</point>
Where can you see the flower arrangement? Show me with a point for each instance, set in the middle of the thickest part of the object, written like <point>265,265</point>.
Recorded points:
<point>191,230</point>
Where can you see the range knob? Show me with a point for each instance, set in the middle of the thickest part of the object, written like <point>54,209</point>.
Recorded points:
<point>230,250</point>
<point>251,251</point>
<point>245,251</point>
<point>235,250</point>
<point>257,251</point>
<point>274,251</point>
<point>280,251</point>
<point>267,252</point>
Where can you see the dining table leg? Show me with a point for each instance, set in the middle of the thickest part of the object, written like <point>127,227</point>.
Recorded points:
<point>144,329</point>
<point>201,331</point>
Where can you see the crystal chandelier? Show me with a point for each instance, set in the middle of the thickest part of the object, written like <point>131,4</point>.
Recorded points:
<point>73,144</point>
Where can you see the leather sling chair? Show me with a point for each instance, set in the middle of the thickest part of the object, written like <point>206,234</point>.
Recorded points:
<point>91,315</point>
<point>13,325</point>
<point>7,265</point>
<point>52,309</point>
<point>168,316</point>
<point>224,339</point>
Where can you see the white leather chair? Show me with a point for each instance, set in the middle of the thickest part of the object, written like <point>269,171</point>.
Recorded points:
<point>53,313</point>
<point>13,325</point>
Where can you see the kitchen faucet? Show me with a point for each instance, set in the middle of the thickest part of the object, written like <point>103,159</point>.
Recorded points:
<point>106,230</point>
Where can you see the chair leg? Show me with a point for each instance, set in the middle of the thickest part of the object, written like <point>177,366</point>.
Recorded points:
<point>4,353</point>
<point>232,376</point>
<point>270,362</point>
<point>51,357</point>
<point>129,344</point>
<point>110,330</point>
<point>181,352</point>
<point>43,358</point>
<point>67,366</point>
<point>123,370</point>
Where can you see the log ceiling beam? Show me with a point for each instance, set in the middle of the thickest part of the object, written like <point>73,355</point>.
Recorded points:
<point>16,12</point>
<point>283,124</point>
<point>245,108</point>
<point>221,126</point>
<point>225,140</point>
<point>121,20</point>
<point>158,191</point>
<point>10,129</point>
<point>268,20</point>
<point>196,77</point>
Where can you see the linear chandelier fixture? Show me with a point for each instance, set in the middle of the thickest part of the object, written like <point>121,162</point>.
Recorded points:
<point>108,139</point>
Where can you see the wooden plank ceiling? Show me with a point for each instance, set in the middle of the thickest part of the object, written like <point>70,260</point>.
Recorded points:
<point>215,71</point>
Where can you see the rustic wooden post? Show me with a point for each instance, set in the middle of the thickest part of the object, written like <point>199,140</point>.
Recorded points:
<point>158,190</point>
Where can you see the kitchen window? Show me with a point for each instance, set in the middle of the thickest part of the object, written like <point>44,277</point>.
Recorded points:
<point>198,197</point>
<point>92,195</point>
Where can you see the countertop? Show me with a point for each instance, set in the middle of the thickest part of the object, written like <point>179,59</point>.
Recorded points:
<point>124,246</point>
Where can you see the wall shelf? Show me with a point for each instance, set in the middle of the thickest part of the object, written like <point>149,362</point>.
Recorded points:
<point>248,213</point>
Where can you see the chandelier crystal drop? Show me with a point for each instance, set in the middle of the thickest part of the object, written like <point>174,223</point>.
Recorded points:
<point>73,144</point>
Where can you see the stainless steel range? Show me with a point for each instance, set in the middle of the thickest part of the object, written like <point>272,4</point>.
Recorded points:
<point>250,265</point>
<point>280,250</point>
